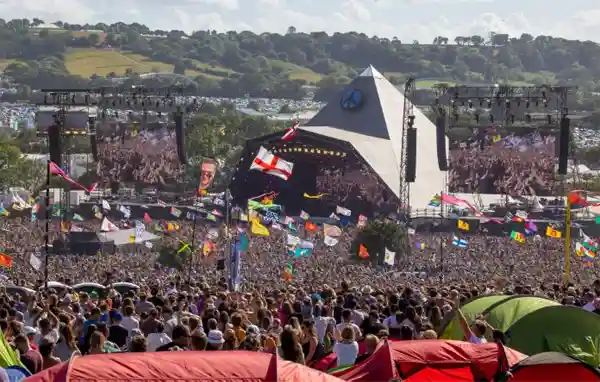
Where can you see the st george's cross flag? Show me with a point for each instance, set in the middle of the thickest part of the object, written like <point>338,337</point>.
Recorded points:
<point>269,163</point>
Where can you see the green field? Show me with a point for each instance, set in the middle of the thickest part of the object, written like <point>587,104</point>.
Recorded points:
<point>297,72</point>
<point>87,62</point>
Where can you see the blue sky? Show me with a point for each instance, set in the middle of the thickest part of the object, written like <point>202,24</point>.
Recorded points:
<point>407,19</point>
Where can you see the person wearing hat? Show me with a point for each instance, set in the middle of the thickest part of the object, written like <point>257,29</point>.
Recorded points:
<point>215,340</point>
<point>181,339</point>
<point>31,332</point>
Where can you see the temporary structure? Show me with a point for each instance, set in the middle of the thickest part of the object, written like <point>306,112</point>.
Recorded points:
<point>422,359</point>
<point>552,367</point>
<point>239,366</point>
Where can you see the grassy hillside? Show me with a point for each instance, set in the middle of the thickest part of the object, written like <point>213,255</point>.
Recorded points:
<point>86,62</point>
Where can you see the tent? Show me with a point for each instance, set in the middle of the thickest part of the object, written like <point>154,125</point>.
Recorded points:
<point>237,366</point>
<point>451,329</point>
<point>534,325</point>
<point>552,367</point>
<point>422,359</point>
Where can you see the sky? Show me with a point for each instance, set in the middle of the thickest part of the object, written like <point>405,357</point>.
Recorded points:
<point>408,20</point>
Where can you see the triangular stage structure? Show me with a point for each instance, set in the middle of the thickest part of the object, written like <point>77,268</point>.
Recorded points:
<point>368,115</point>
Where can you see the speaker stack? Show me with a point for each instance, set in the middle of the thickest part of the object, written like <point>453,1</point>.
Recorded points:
<point>563,152</point>
<point>411,153</point>
<point>440,124</point>
<point>54,143</point>
<point>180,137</point>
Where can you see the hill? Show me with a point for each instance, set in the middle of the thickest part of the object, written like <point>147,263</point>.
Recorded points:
<point>273,65</point>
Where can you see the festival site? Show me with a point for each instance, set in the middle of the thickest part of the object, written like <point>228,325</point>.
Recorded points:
<point>384,238</point>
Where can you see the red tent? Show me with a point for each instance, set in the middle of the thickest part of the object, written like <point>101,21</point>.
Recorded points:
<point>239,366</point>
<point>426,360</point>
<point>553,367</point>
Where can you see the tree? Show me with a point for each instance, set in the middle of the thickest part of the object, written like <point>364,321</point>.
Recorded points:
<point>93,39</point>
<point>291,30</point>
<point>285,109</point>
<point>376,236</point>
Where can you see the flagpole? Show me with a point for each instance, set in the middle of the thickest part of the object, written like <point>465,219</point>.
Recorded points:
<point>441,240</point>
<point>47,233</point>
<point>567,275</point>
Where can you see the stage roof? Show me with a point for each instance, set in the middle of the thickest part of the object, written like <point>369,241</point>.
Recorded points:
<point>374,129</point>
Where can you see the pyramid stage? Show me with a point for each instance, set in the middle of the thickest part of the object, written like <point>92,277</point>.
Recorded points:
<point>350,151</point>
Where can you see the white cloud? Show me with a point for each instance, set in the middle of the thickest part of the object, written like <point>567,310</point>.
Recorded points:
<point>229,5</point>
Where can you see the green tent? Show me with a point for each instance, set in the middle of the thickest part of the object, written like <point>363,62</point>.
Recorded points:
<point>566,329</point>
<point>534,325</point>
<point>451,329</point>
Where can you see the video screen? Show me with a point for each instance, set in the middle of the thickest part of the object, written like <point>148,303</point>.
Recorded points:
<point>490,162</point>
<point>140,156</point>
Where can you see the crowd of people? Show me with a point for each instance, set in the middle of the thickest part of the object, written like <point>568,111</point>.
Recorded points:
<point>147,158</point>
<point>501,168</point>
<point>328,303</point>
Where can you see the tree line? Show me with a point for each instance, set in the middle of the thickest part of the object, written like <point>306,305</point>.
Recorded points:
<point>259,65</point>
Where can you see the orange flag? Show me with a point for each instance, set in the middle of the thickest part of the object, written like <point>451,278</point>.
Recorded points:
<point>5,260</point>
<point>363,253</point>
<point>310,227</point>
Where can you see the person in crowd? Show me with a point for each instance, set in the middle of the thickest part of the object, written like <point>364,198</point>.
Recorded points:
<point>158,338</point>
<point>47,352</point>
<point>291,349</point>
<point>181,339</point>
<point>312,348</point>
<point>118,334</point>
<point>67,344</point>
<point>216,340</point>
<point>346,350</point>
<point>30,358</point>
<point>371,344</point>
<point>347,322</point>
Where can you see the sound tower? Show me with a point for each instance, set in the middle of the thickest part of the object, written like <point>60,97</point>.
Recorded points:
<point>54,143</point>
<point>563,152</point>
<point>411,155</point>
<point>94,147</point>
<point>440,124</point>
<point>180,136</point>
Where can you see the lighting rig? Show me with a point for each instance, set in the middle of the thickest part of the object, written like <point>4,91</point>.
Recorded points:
<point>540,107</point>
<point>68,110</point>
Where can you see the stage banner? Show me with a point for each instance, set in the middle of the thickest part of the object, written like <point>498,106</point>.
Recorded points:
<point>208,171</point>
<point>236,267</point>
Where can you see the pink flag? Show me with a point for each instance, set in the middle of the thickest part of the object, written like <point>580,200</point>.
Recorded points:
<point>55,170</point>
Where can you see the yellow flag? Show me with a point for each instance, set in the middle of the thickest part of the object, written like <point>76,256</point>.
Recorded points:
<point>132,239</point>
<point>259,229</point>
<point>463,225</point>
<point>319,196</point>
<point>551,232</point>
<point>496,139</point>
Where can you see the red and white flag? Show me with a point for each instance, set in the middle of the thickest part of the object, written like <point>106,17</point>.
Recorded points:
<point>56,170</point>
<point>269,163</point>
<point>108,226</point>
<point>291,132</point>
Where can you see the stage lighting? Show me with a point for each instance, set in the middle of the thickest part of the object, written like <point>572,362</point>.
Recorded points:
<point>549,119</point>
<point>507,104</point>
<point>411,120</point>
<point>476,118</point>
<point>528,118</point>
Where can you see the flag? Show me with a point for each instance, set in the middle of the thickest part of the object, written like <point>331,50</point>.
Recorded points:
<point>207,247</point>
<point>108,226</point>
<point>461,243</point>
<point>77,217</point>
<point>258,229</point>
<point>148,244</point>
<point>299,252</point>
<point>3,211</point>
<point>235,268</point>
<point>463,225</point>
<point>65,226</point>
<point>126,211</point>
<point>334,216</point>
<point>551,232</point>
<point>147,218</point>
<point>184,248</point>
<point>318,196</point>
<point>342,211</point>
<point>161,203</point>
<point>175,212</point>
<point>6,261</point>
<point>271,164</point>
<point>304,215</point>
<point>588,243</point>
<point>132,239</point>
<point>411,231</point>
<point>55,170</point>
<point>289,272</point>
<point>496,138</point>
<point>172,227</point>
<point>363,253</point>
<point>517,236</point>
<point>420,245</point>
<point>291,132</point>
<point>589,256</point>
<point>243,242</point>
<point>35,262</point>
<point>597,219</point>
<point>310,227</point>
<point>331,230</point>
<point>105,205</point>
<point>435,201</point>
<point>330,241</point>
<point>75,228</point>
<point>389,258</point>
<point>292,240</point>
<point>530,228</point>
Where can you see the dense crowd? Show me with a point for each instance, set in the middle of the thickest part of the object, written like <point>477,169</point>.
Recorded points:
<point>497,168</point>
<point>328,304</point>
<point>145,158</point>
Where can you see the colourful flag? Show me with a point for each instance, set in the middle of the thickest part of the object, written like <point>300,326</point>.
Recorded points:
<point>420,245</point>
<point>435,201</point>
<point>318,196</point>
<point>517,236</point>
<point>258,229</point>
<point>55,170</point>
<point>147,218</point>
<point>6,261</point>
<point>304,215</point>
<point>551,232</point>
<point>363,253</point>
<point>310,227</point>
<point>463,225</point>
<point>291,132</point>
